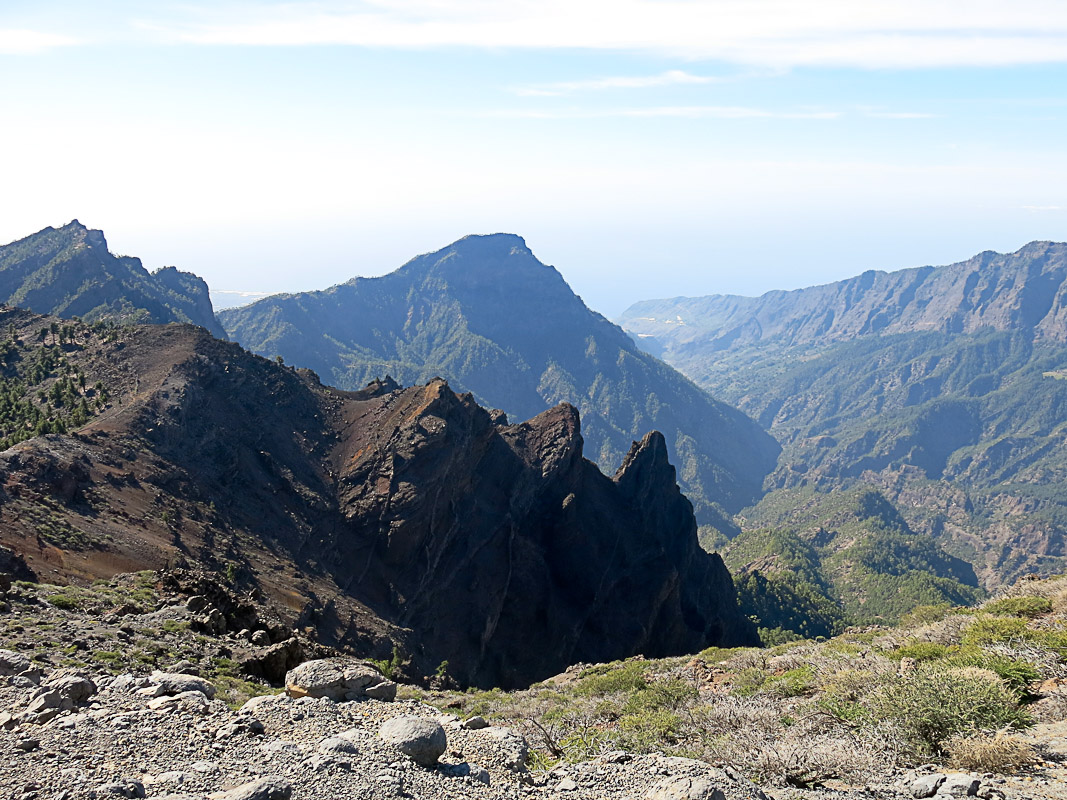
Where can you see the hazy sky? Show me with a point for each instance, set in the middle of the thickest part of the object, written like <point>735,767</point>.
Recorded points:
<point>647,148</point>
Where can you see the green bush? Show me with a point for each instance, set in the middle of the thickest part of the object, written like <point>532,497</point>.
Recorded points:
<point>1018,675</point>
<point>793,683</point>
<point>64,602</point>
<point>988,629</point>
<point>610,678</point>
<point>1029,607</point>
<point>933,703</point>
<point>648,731</point>
<point>925,615</point>
<point>749,681</point>
<point>921,651</point>
<point>666,694</point>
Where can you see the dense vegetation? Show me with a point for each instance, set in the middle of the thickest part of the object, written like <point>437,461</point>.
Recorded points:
<point>829,560</point>
<point>41,390</point>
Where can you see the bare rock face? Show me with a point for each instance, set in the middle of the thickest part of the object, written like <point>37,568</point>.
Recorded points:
<point>387,516</point>
<point>489,538</point>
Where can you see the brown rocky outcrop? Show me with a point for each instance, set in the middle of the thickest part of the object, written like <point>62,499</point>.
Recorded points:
<point>387,516</point>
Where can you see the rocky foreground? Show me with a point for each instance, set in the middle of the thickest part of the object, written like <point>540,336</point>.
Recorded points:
<point>151,699</point>
<point>68,734</point>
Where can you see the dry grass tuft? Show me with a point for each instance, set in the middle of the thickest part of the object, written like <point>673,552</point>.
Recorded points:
<point>1002,752</point>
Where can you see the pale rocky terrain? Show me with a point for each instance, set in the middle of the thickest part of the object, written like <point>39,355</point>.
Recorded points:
<point>72,728</point>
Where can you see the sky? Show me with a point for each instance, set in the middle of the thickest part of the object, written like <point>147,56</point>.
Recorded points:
<point>646,148</point>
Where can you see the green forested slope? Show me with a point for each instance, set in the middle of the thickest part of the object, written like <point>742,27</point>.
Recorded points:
<point>69,272</point>
<point>811,562</point>
<point>954,404</point>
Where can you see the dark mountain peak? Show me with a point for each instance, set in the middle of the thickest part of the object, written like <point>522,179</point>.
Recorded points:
<point>552,440</point>
<point>405,516</point>
<point>646,474</point>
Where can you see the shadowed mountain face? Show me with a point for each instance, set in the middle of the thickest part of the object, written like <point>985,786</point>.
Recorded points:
<point>488,316</point>
<point>70,273</point>
<point>941,387</point>
<point>385,515</point>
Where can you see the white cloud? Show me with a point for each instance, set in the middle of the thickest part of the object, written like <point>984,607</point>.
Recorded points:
<point>776,33</point>
<point>14,41</point>
<point>672,77</point>
<point>684,112</point>
<point>900,115</point>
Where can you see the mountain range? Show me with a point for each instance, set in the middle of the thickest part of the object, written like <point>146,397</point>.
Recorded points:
<point>492,319</point>
<point>941,387</point>
<point>919,416</point>
<point>406,517</point>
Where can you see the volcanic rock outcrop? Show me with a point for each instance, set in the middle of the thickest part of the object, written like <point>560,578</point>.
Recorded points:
<point>409,516</point>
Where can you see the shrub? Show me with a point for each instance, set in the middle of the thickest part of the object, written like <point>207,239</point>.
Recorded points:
<point>921,651</point>
<point>665,694</point>
<point>647,731</point>
<point>925,615</point>
<point>748,681</point>
<point>933,703</point>
<point>792,683</point>
<point>64,602</point>
<point>1017,675</point>
<point>610,678</point>
<point>1029,607</point>
<point>988,629</point>
<point>981,752</point>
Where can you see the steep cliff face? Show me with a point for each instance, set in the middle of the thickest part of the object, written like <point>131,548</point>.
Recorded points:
<point>489,317</point>
<point>494,537</point>
<point>409,515</point>
<point>69,272</point>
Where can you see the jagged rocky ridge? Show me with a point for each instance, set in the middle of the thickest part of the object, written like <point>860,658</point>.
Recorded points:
<point>386,515</point>
<point>69,272</point>
<point>489,317</point>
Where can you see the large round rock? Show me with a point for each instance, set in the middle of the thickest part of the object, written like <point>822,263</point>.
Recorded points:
<point>423,740</point>
<point>339,679</point>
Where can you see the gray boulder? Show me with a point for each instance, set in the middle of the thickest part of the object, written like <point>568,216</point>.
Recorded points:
<point>129,788</point>
<point>337,745</point>
<point>510,748</point>
<point>467,770</point>
<point>173,683</point>
<point>684,788</point>
<point>422,740</point>
<point>927,785</point>
<point>12,663</point>
<point>338,679</point>
<point>273,788</point>
<point>61,693</point>
<point>959,785</point>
